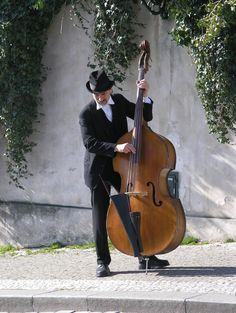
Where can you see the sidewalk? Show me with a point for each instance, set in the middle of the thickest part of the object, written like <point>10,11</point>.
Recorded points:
<point>200,279</point>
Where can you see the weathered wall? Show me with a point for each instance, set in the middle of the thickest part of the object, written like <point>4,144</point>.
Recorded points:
<point>207,169</point>
<point>33,225</point>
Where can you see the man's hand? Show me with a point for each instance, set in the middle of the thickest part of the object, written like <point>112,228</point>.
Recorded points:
<point>125,148</point>
<point>143,84</point>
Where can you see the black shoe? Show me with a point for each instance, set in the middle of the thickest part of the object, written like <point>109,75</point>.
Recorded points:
<point>102,270</point>
<point>153,263</point>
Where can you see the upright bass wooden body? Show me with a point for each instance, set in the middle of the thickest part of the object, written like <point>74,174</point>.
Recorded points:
<point>144,179</point>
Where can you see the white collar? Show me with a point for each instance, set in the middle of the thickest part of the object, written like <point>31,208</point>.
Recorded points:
<point>100,106</point>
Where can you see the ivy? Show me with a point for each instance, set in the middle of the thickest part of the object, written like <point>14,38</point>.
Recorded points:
<point>23,27</point>
<point>208,29</point>
<point>113,35</point>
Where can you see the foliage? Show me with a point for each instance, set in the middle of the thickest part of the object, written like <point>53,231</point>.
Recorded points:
<point>23,26</point>
<point>208,29</point>
<point>229,240</point>
<point>53,248</point>
<point>190,240</point>
<point>7,250</point>
<point>85,246</point>
<point>113,36</point>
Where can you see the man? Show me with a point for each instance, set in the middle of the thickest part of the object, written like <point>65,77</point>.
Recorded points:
<point>103,121</point>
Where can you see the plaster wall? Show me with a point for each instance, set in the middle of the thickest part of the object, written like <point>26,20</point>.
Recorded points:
<point>207,169</point>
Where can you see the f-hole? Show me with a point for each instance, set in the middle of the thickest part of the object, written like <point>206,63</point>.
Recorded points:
<point>155,201</point>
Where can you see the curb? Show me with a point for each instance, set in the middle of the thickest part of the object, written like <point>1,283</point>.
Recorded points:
<point>137,302</point>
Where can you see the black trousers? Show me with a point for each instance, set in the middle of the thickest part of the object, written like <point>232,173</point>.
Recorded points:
<point>100,200</point>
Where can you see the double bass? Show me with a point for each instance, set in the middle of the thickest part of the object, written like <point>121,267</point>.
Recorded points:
<point>144,219</point>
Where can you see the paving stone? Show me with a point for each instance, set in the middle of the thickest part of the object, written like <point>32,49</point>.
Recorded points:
<point>67,281</point>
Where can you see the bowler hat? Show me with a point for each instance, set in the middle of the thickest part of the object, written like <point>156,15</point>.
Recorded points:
<point>99,82</point>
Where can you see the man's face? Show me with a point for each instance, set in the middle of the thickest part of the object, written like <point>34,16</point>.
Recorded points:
<point>102,97</point>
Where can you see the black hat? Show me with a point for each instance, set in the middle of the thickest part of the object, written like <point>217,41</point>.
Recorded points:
<point>99,82</point>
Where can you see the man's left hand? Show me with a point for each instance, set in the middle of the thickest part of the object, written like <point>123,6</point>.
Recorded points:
<point>143,84</point>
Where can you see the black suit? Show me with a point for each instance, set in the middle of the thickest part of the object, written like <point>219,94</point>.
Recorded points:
<point>99,138</point>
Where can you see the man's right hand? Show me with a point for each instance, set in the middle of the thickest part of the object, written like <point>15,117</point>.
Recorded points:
<point>125,148</point>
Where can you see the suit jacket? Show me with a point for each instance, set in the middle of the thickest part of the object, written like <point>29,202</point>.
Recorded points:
<point>98,138</point>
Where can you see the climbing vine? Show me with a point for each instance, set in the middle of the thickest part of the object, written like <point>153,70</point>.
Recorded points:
<point>206,27</point>
<point>23,27</point>
<point>113,37</point>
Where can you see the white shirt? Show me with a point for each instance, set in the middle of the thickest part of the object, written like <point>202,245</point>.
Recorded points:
<point>107,107</point>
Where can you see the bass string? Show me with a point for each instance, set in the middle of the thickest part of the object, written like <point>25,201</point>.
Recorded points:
<point>134,158</point>
<point>130,176</point>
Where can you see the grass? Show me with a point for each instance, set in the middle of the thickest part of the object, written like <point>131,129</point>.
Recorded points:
<point>90,245</point>
<point>190,240</point>
<point>229,240</point>
<point>8,249</point>
<point>57,247</point>
<point>53,248</point>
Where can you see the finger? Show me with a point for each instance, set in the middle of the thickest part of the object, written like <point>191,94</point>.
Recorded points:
<point>132,148</point>
<point>142,85</point>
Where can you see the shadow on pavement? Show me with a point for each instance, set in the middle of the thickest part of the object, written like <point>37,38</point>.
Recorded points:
<point>221,271</point>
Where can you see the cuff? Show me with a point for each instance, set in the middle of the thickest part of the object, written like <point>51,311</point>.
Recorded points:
<point>147,100</point>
